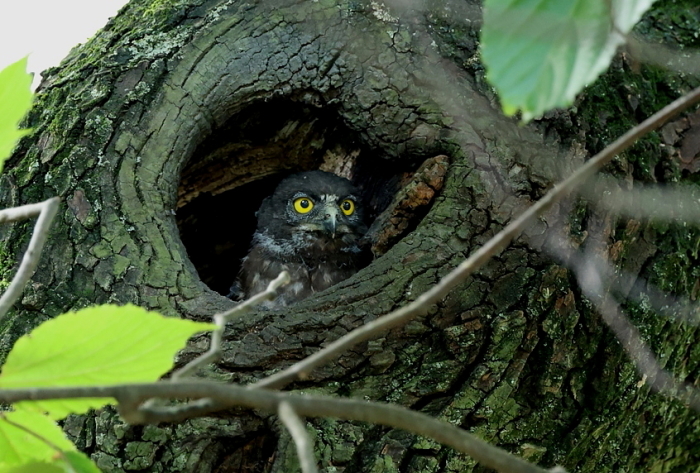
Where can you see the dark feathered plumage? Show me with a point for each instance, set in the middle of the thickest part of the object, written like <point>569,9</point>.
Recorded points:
<point>310,226</point>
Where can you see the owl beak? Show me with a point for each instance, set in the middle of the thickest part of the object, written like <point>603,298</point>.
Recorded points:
<point>330,222</point>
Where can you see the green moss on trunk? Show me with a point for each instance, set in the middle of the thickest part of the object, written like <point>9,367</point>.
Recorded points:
<point>514,354</point>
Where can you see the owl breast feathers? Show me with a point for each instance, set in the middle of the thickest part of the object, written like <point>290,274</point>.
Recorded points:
<point>310,226</point>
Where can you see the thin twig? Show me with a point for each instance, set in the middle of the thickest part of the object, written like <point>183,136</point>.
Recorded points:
<point>641,291</point>
<point>644,359</point>
<point>46,211</point>
<point>684,61</point>
<point>676,308</point>
<point>302,440</point>
<point>227,395</point>
<point>16,214</point>
<point>494,246</point>
<point>658,203</point>
<point>593,284</point>
<point>220,320</point>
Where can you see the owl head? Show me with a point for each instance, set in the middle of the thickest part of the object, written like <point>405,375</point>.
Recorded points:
<point>313,204</point>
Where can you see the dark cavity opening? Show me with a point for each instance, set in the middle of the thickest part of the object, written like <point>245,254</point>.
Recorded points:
<point>241,163</point>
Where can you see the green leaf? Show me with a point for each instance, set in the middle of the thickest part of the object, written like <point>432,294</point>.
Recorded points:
<point>34,467</point>
<point>540,53</point>
<point>37,440</point>
<point>97,346</point>
<point>77,462</point>
<point>15,102</point>
<point>68,462</point>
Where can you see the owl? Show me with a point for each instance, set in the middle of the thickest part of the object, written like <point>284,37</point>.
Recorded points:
<point>311,226</point>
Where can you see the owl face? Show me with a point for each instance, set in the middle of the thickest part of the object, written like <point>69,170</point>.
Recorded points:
<point>311,227</point>
<point>331,215</point>
<point>313,205</point>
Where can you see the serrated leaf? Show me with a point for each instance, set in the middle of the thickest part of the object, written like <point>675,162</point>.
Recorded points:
<point>97,346</point>
<point>15,102</point>
<point>19,446</point>
<point>540,53</point>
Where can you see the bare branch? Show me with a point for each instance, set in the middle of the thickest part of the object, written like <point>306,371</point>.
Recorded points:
<point>595,283</point>
<point>302,440</point>
<point>624,284</point>
<point>17,214</point>
<point>659,203</point>
<point>220,320</point>
<point>682,310</point>
<point>641,355</point>
<point>227,395</point>
<point>644,359</point>
<point>685,61</point>
<point>494,246</point>
<point>46,211</point>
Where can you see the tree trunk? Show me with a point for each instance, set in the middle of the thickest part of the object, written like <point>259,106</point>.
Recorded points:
<point>164,132</point>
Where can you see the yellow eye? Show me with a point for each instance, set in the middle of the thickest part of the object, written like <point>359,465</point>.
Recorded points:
<point>303,205</point>
<point>348,207</point>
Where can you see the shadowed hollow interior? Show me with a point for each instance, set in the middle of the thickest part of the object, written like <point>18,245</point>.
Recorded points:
<point>239,164</point>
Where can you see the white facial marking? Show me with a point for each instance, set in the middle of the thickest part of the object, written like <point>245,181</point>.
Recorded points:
<point>329,199</point>
<point>332,214</point>
<point>284,247</point>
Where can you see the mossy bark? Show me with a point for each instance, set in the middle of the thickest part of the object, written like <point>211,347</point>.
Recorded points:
<point>515,354</point>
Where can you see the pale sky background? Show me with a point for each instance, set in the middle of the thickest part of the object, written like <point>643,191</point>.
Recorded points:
<point>48,29</point>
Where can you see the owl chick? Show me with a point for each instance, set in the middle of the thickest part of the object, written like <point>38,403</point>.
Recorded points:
<point>310,226</point>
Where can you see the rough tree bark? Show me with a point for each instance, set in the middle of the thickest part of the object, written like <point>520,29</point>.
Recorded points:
<point>177,101</point>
